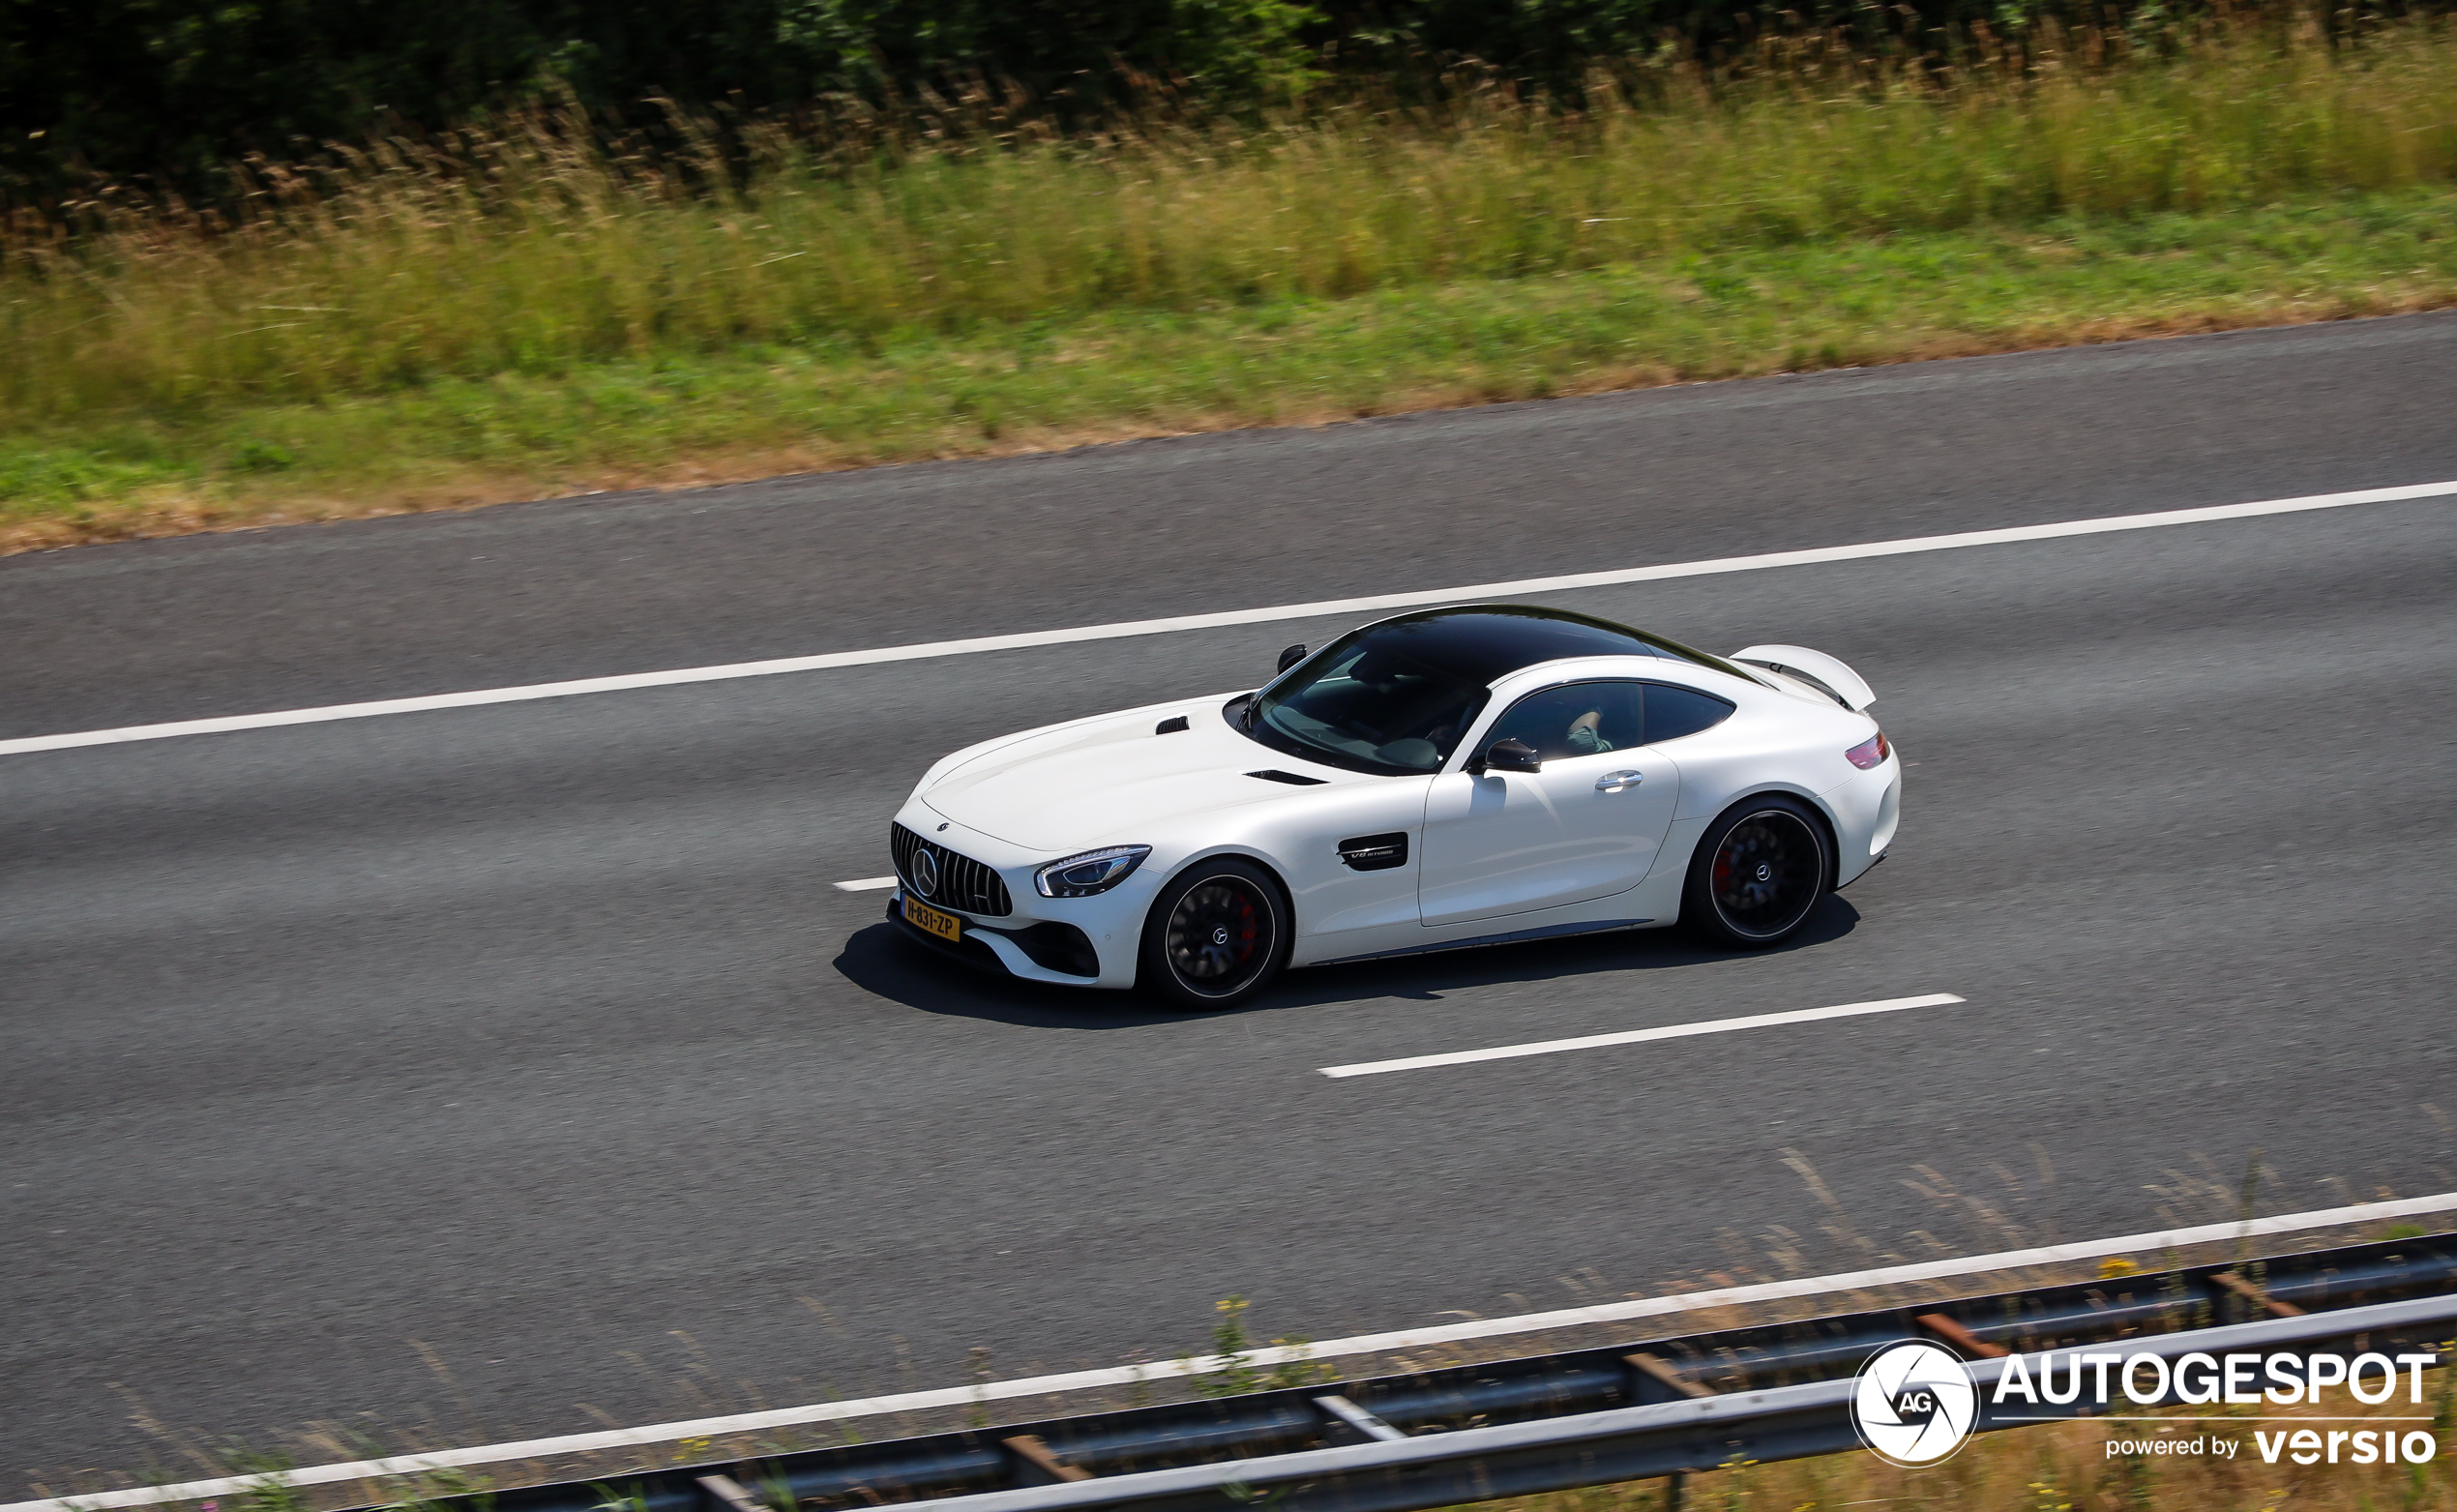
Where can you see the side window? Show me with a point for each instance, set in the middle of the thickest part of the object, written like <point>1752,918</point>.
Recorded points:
<point>1575,720</point>
<point>1674,712</point>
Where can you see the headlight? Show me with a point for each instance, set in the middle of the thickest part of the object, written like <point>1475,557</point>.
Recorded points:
<point>1092,872</point>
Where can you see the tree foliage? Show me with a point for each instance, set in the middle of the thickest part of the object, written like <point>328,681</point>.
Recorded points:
<point>170,92</point>
<point>172,88</point>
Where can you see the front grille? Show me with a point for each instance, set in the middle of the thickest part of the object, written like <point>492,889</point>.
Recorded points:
<point>964,884</point>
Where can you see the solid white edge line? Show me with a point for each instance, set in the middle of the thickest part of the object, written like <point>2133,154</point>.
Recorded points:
<point>866,884</point>
<point>1363,1344</point>
<point>1255,616</point>
<point>1669,1031</point>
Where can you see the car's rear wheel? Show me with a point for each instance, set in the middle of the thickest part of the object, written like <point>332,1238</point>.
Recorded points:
<point>1757,874</point>
<point>1217,934</point>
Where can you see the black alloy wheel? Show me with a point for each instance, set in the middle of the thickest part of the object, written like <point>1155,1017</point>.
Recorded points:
<point>1217,934</point>
<point>1759,873</point>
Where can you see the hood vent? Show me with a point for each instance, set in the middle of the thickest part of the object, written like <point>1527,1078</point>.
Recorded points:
<point>1171,726</point>
<point>1292,779</point>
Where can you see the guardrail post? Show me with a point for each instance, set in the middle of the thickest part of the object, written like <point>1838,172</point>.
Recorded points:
<point>1038,1465</point>
<point>729,1494</point>
<point>1345,1422</point>
<point>1654,1379</point>
<point>2256,1296</point>
<point>1971,1346</point>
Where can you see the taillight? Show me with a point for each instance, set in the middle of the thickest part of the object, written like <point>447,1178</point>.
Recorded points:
<point>1869,753</point>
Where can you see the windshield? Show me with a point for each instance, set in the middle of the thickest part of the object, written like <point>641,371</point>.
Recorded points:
<point>1369,709</point>
<point>1393,698</point>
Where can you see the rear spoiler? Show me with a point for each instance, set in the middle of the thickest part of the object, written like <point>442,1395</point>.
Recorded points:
<point>1827,674</point>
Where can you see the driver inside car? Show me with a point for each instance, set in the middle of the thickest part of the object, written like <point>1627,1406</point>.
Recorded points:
<point>1579,719</point>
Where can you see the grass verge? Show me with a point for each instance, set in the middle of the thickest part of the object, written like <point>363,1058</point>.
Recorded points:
<point>532,308</point>
<point>682,417</point>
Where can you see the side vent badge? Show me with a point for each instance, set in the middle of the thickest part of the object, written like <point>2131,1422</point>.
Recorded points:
<point>1376,853</point>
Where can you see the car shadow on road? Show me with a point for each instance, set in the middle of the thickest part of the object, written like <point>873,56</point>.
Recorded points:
<point>882,960</point>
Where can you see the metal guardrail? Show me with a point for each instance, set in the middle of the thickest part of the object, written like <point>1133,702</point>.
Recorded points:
<point>1552,1422</point>
<point>1637,1442</point>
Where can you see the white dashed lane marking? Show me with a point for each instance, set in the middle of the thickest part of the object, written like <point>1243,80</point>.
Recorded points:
<point>1669,1031</point>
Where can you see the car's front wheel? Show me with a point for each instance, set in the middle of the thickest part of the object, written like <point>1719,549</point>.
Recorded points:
<point>1757,874</point>
<point>1217,934</point>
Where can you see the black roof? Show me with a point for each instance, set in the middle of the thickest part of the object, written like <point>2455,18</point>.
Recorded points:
<point>1478,642</point>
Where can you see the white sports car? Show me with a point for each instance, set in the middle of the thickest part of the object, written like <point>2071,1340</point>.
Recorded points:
<point>1446,778</point>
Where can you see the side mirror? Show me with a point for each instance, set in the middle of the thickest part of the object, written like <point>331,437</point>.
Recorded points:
<point>1511,755</point>
<point>1290,658</point>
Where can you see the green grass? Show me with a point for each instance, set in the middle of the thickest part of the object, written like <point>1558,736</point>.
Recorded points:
<point>529,312</point>
<point>686,416</point>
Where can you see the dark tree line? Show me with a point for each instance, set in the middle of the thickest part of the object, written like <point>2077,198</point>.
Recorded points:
<point>168,92</point>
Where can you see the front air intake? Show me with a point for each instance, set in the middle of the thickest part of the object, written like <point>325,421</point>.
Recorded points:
<point>963,884</point>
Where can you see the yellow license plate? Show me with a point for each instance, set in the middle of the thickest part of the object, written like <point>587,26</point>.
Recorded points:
<point>946,926</point>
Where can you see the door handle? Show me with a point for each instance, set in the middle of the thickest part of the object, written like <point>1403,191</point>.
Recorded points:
<point>1618,782</point>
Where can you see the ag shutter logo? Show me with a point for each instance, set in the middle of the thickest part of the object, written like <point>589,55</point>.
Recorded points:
<point>1914,1404</point>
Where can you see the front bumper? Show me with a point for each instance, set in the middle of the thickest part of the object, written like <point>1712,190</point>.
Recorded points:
<point>1074,941</point>
<point>1051,951</point>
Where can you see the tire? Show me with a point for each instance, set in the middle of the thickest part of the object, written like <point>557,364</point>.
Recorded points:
<point>1217,934</point>
<point>1759,873</point>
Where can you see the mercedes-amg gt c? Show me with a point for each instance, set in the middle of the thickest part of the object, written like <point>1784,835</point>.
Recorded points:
<point>1445,777</point>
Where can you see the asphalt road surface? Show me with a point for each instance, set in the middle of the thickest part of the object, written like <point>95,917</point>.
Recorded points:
<point>446,1072</point>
